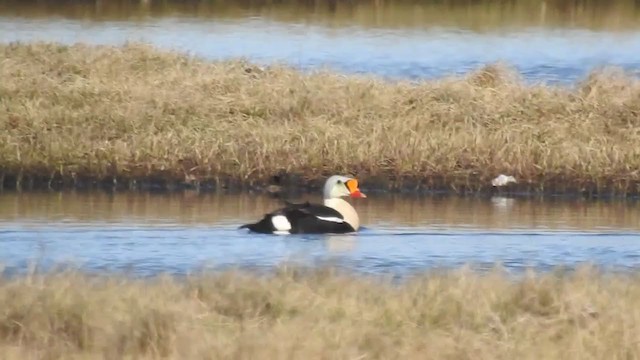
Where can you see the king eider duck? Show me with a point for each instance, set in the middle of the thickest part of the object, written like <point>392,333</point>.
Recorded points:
<point>335,216</point>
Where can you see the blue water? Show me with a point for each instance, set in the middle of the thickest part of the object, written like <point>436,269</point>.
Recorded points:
<point>541,54</point>
<point>178,235</point>
<point>149,235</point>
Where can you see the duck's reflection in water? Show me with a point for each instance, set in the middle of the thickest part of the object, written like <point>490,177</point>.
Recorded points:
<point>339,243</point>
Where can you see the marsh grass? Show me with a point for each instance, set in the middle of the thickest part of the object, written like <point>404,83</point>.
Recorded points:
<point>132,114</point>
<point>297,313</point>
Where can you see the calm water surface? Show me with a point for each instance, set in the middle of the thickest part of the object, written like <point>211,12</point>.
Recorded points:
<point>150,233</point>
<point>546,43</point>
<point>179,233</point>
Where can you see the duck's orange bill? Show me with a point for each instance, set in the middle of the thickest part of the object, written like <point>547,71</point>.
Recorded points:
<point>353,189</point>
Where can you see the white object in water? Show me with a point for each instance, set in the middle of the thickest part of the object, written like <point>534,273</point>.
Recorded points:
<point>503,180</point>
<point>501,202</point>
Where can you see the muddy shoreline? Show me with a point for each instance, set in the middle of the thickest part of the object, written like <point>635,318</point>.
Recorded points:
<point>284,185</point>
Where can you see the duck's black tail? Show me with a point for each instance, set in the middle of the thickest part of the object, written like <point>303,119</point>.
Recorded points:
<point>246,226</point>
<point>263,226</point>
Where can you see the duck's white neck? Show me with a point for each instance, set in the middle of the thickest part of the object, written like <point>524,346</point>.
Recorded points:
<point>344,208</point>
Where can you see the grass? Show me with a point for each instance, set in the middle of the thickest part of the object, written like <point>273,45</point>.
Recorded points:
<point>133,114</point>
<point>322,314</point>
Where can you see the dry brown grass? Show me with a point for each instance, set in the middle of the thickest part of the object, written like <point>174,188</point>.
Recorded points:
<point>322,315</point>
<point>135,113</point>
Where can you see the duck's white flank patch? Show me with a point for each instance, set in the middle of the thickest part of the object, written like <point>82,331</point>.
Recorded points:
<point>331,218</point>
<point>281,233</point>
<point>281,223</point>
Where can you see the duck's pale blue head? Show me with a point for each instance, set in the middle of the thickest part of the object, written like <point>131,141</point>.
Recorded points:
<point>341,186</point>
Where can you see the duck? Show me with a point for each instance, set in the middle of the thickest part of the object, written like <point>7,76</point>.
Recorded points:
<point>334,216</point>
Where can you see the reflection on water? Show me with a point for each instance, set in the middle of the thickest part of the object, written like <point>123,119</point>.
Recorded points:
<point>180,232</point>
<point>546,41</point>
<point>152,233</point>
<point>209,209</point>
<point>473,15</point>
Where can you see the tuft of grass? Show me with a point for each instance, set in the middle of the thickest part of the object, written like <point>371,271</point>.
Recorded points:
<point>119,114</point>
<point>295,313</point>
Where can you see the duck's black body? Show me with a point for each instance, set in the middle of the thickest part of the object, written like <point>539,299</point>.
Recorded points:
<point>305,218</point>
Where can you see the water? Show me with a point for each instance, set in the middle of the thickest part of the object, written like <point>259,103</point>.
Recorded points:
<point>396,41</point>
<point>178,233</point>
<point>146,234</point>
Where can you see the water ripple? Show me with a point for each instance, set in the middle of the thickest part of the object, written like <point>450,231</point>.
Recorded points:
<point>148,250</point>
<point>145,235</point>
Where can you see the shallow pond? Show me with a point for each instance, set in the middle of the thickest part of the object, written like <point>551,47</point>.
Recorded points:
<point>150,233</point>
<point>185,232</point>
<point>556,44</point>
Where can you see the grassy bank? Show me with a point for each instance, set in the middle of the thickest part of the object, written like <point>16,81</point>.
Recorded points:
<point>455,315</point>
<point>78,114</point>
